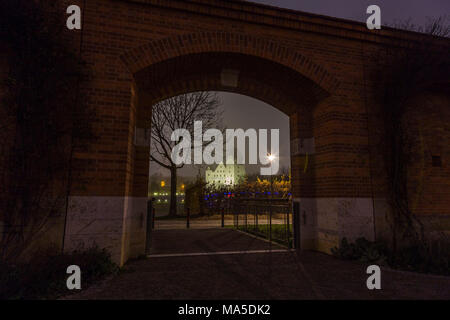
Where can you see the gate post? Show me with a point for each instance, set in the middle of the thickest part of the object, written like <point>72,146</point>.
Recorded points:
<point>150,225</point>
<point>296,224</point>
<point>288,228</point>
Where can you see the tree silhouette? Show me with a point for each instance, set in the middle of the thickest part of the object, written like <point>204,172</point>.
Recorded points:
<point>180,112</point>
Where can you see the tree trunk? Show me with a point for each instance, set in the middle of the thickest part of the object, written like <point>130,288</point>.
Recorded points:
<point>173,190</point>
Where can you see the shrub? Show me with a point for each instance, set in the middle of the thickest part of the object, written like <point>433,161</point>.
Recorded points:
<point>45,277</point>
<point>420,258</point>
<point>414,257</point>
<point>362,250</point>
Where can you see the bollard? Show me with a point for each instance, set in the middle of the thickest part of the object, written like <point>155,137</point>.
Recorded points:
<point>288,230</point>
<point>149,227</point>
<point>296,225</point>
<point>270,221</point>
<point>153,218</point>
<point>188,214</point>
<point>245,219</point>
<point>223,217</point>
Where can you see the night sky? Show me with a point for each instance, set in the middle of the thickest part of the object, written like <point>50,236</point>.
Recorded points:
<point>391,10</point>
<point>245,112</point>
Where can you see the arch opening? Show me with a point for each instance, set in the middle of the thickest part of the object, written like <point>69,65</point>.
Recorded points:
<point>249,75</point>
<point>281,87</point>
<point>220,197</point>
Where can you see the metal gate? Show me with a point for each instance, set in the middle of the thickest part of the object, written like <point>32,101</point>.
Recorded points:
<point>275,220</point>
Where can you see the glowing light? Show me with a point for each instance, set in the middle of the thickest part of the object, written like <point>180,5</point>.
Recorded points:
<point>271,157</point>
<point>163,183</point>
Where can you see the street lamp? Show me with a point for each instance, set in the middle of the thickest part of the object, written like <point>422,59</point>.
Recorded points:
<point>271,158</point>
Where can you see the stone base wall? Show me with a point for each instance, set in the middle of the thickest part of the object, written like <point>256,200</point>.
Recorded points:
<point>114,223</point>
<point>326,221</point>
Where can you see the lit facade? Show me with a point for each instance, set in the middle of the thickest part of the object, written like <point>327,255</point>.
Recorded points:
<point>225,175</point>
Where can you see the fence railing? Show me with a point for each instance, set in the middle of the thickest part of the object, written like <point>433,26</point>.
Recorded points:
<point>267,218</point>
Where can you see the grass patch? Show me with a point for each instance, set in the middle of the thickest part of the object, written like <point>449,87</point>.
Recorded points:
<point>281,233</point>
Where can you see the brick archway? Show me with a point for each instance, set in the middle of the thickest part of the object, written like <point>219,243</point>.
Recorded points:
<point>194,68</point>
<point>316,69</point>
<point>310,67</point>
<point>157,51</point>
<point>242,64</point>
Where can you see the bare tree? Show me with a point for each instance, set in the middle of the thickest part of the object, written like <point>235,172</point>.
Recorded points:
<point>180,112</point>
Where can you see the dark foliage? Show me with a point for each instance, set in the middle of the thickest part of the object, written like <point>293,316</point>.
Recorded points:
<point>405,69</point>
<point>362,250</point>
<point>42,115</point>
<point>45,277</point>
<point>421,259</point>
<point>417,258</point>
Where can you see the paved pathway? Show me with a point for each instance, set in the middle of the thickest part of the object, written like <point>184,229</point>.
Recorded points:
<point>206,240</point>
<point>265,272</point>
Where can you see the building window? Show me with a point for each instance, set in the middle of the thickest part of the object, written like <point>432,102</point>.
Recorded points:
<point>436,161</point>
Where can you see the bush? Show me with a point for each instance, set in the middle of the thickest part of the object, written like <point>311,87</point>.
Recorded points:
<point>420,258</point>
<point>416,257</point>
<point>45,277</point>
<point>362,250</point>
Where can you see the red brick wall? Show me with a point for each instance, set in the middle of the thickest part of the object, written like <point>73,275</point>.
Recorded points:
<point>126,40</point>
<point>429,181</point>
<point>313,68</point>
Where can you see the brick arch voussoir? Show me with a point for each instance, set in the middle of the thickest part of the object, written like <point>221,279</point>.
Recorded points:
<point>156,51</point>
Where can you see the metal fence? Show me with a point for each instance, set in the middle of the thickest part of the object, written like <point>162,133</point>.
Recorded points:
<point>267,218</point>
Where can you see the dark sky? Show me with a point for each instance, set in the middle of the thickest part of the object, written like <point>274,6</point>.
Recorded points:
<point>391,10</point>
<point>244,112</point>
